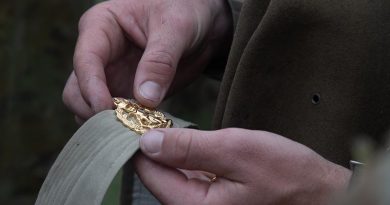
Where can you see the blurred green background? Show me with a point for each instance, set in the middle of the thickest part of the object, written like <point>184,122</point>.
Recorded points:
<point>37,39</point>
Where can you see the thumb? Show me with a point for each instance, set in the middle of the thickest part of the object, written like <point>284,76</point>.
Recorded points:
<point>157,66</point>
<point>191,149</point>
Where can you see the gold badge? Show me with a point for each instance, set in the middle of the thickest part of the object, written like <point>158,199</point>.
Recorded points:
<point>139,118</point>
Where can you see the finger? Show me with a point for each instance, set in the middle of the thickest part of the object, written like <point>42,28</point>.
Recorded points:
<point>201,175</point>
<point>79,120</point>
<point>73,99</point>
<point>217,152</point>
<point>169,185</point>
<point>100,40</point>
<point>168,39</point>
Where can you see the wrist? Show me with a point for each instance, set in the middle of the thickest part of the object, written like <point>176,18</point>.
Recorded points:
<point>333,182</point>
<point>338,178</point>
<point>323,182</point>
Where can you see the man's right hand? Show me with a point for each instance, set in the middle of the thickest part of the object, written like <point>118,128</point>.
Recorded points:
<point>133,48</point>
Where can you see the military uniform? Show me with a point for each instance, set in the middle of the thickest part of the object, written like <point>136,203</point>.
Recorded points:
<point>316,72</point>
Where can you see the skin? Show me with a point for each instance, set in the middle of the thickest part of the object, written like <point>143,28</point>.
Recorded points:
<point>126,44</point>
<point>253,167</point>
<point>123,44</point>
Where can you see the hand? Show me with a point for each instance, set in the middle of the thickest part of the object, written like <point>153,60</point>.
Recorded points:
<point>133,47</point>
<point>253,167</point>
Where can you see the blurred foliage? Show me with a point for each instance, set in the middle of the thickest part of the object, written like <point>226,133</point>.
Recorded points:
<point>371,185</point>
<point>37,39</point>
<point>363,149</point>
<point>36,44</point>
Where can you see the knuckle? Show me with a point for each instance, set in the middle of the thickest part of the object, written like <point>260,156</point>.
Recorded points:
<point>90,84</point>
<point>66,96</point>
<point>184,24</point>
<point>83,60</point>
<point>92,14</point>
<point>183,146</point>
<point>226,132</point>
<point>235,140</point>
<point>160,65</point>
<point>76,59</point>
<point>80,61</point>
<point>86,16</point>
<point>161,58</point>
<point>69,92</point>
<point>82,20</point>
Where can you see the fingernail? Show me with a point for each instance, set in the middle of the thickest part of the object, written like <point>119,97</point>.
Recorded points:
<point>152,141</point>
<point>151,91</point>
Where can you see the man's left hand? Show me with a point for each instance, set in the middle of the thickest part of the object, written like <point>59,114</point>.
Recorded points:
<point>252,167</point>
